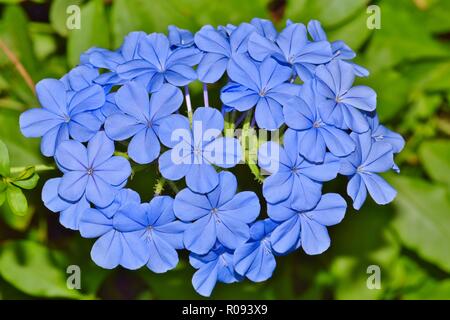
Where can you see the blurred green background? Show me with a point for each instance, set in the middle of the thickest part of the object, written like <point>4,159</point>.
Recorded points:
<point>409,60</point>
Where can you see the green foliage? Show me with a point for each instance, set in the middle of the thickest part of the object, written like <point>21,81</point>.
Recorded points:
<point>409,61</point>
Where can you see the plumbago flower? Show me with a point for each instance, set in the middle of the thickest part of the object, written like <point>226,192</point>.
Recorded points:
<point>293,178</point>
<point>292,47</point>
<point>306,228</point>
<point>343,103</point>
<point>194,151</point>
<point>157,63</point>
<point>215,266</point>
<point>314,136</point>
<point>63,114</point>
<point>131,95</point>
<point>370,157</point>
<point>264,85</point>
<point>91,171</point>
<point>255,259</point>
<point>219,216</point>
<point>140,118</point>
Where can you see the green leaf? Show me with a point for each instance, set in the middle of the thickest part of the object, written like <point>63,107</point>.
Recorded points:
<point>24,174</point>
<point>431,290</point>
<point>94,31</point>
<point>35,269</point>
<point>58,15</point>
<point>4,160</point>
<point>16,200</point>
<point>354,33</point>
<point>29,183</point>
<point>17,37</point>
<point>15,222</point>
<point>422,221</point>
<point>2,196</point>
<point>401,38</point>
<point>435,158</point>
<point>22,151</point>
<point>328,12</point>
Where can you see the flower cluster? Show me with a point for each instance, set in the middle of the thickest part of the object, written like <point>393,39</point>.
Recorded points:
<point>120,109</point>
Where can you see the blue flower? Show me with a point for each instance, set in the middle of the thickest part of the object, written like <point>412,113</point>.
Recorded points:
<point>262,85</point>
<point>63,114</point>
<point>255,259</point>
<point>291,47</point>
<point>219,49</point>
<point>265,28</point>
<point>215,266</point>
<point>220,215</point>
<point>307,229</point>
<point>343,103</point>
<point>294,179</point>
<point>110,60</point>
<point>140,118</point>
<point>155,225</point>
<point>113,247</point>
<point>340,49</point>
<point>194,151</point>
<point>80,77</point>
<point>381,133</point>
<point>158,63</point>
<point>70,212</point>
<point>180,37</point>
<point>362,167</point>
<point>314,136</point>
<point>91,171</point>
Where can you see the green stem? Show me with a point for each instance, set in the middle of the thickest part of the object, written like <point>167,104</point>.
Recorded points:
<point>250,158</point>
<point>159,186</point>
<point>173,186</point>
<point>37,168</point>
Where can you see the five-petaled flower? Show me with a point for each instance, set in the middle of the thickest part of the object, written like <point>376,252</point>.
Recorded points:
<point>140,118</point>
<point>264,85</point>
<point>63,114</point>
<point>194,151</point>
<point>293,178</point>
<point>306,228</point>
<point>370,157</point>
<point>91,171</point>
<point>221,215</point>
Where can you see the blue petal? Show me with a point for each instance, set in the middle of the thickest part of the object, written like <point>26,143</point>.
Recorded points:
<point>120,126</point>
<point>243,70</point>
<point>94,224</point>
<point>305,193</point>
<point>265,28</point>
<point>130,217</point>
<point>285,237</point>
<point>211,67</point>
<point>231,232</point>
<point>314,237</point>
<point>37,122</point>
<point>378,188</point>
<point>338,141</point>
<point>174,129</point>
<point>204,280</point>
<point>239,38</point>
<point>224,152</point>
<point>130,45</point>
<point>260,47</point>
<point>70,217</point>
<point>269,114</point>
<point>132,99</point>
<point>163,256</point>
<point>311,145</point>
<point>356,189</point>
<point>239,97</point>
<point>88,99</point>
<point>206,123</point>
<point>99,149</point>
<point>201,235</point>
<point>255,261</point>
<point>98,191</point>
<point>273,158</point>
<point>51,198</point>
<point>72,155</point>
<point>314,53</point>
<point>107,250</point>
<point>280,211</point>
<point>135,252</point>
<point>316,31</point>
<point>170,169</point>
<point>114,171</point>
<point>83,126</point>
<point>292,39</point>
<point>329,211</point>
<point>155,49</point>
<point>244,206</point>
<point>52,96</point>
<point>210,40</point>
<point>273,74</point>
<point>278,187</point>
<point>360,97</point>
<point>165,102</point>
<point>202,178</point>
<point>180,75</point>
<point>379,159</point>
<point>297,114</point>
<point>144,147</point>
<point>190,206</point>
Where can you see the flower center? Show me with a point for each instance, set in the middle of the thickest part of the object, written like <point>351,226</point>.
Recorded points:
<point>360,169</point>
<point>90,171</point>
<point>263,92</point>
<point>66,118</point>
<point>317,124</point>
